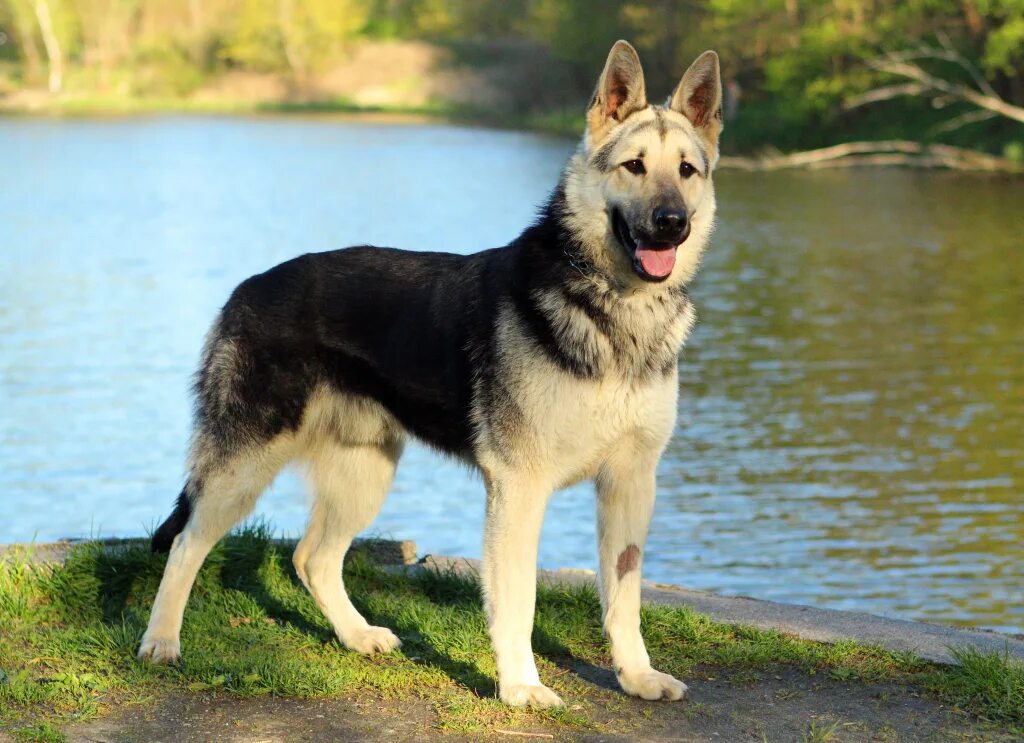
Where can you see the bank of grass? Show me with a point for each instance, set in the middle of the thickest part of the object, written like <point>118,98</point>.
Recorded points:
<point>561,122</point>
<point>100,105</point>
<point>69,635</point>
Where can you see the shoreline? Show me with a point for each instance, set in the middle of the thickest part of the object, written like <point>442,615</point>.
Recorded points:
<point>936,643</point>
<point>563,124</point>
<point>262,663</point>
<point>559,123</point>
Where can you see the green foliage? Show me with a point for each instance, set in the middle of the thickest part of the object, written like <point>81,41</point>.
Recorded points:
<point>797,62</point>
<point>165,69</point>
<point>1004,45</point>
<point>257,39</point>
<point>40,733</point>
<point>1014,151</point>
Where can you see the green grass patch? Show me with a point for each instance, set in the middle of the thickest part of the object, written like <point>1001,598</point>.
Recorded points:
<point>39,733</point>
<point>70,633</point>
<point>566,122</point>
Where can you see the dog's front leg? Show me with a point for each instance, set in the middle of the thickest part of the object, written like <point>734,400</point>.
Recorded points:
<point>625,497</point>
<point>511,534</point>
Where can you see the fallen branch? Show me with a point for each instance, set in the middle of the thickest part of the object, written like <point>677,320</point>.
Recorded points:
<point>520,734</point>
<point>890,152</point>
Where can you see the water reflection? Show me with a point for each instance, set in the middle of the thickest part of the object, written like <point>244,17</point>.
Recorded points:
<point>852,401</point>
<point>855,388</point>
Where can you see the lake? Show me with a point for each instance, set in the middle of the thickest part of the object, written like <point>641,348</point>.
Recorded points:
<point>851,421</point>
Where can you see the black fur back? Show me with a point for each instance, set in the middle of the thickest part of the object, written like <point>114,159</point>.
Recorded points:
<point>413,331</point>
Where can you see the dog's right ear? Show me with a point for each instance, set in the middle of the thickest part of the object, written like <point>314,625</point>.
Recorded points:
<point>620,92</point>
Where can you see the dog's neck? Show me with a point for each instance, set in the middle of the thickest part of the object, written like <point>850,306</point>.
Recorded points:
<point>637,329</point>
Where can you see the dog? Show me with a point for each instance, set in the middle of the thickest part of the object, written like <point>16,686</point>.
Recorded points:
<point>548,361</point>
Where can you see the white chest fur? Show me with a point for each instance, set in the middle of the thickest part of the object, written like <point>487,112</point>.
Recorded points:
<point>561,425</point>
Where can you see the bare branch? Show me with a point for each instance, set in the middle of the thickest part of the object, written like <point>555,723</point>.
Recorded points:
<point>957,122</point>
<point>954,56</point>
<point>947,54</point>
<point>941,101</point>
<point>884,94</point>
<point>889,152</point>
<point>897,65</point>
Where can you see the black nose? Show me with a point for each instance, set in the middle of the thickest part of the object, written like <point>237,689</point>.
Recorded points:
<point>670,224</point>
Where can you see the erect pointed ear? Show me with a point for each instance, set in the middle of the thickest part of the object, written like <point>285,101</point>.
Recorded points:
<point>620,92</point>
<point>699,96</point>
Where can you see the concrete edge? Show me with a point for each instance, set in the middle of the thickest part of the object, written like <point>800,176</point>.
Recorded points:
<point>382,551</point>
<point>932,642</point>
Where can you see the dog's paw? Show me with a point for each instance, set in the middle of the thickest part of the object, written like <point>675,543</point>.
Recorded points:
<point>538,696</point>
<point>372,640</point>
<point>160,650</point>
<point>651,684</point>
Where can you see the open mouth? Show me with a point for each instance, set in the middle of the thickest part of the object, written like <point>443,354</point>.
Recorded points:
<point>652,261</point>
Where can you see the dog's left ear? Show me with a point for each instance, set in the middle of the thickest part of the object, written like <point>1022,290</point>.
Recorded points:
<point>699,97</point>
<point>620,92</point>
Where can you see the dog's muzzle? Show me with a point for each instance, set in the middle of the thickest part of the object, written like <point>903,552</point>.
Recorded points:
<point>653,253</point>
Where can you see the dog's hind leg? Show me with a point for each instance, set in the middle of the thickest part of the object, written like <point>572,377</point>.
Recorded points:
<point>625,498</point>
<point>227,494</point>
<point>349,483</point>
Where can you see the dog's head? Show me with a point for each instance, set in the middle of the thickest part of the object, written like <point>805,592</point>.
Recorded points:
<point>639,191</point>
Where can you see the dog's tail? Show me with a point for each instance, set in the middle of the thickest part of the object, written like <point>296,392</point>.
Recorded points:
<point>164,536</point>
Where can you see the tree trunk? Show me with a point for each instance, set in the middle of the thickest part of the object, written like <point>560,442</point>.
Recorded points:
<point>197,41</point>
<point>53,53</point>
<point>26,31</point>
<point>973,18</point>
<point>195,15</point>
<point>793,12</point>
<point>285,10</point>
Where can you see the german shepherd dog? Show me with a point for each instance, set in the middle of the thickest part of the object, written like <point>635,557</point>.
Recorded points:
<point>542,363</point>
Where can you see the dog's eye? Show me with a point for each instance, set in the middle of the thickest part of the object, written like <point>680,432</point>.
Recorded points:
<point>636,167</point>
<point>686,170</point>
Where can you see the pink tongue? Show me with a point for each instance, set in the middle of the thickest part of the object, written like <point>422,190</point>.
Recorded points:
<point>657,259</point>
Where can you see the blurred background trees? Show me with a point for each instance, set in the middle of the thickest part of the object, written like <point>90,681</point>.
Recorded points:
<point>800,73</point>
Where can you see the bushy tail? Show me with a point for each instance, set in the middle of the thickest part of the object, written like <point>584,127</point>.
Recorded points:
<point>164,536</point>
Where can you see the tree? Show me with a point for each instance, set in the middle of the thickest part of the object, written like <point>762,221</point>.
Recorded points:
<point>54,55</point>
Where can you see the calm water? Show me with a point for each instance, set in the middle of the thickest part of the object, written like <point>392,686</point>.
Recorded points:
<point>851,428</point>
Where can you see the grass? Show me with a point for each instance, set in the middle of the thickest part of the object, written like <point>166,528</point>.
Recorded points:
<point>70,632</point>
<point>565,122</point>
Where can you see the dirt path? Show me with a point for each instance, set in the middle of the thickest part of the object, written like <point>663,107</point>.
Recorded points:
<point>778,705</point>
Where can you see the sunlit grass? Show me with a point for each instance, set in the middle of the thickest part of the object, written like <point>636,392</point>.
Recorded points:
<point>564,122</point>
<point>70,633</point>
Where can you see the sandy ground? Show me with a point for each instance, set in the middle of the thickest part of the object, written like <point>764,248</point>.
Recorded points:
<point>779,705</point>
